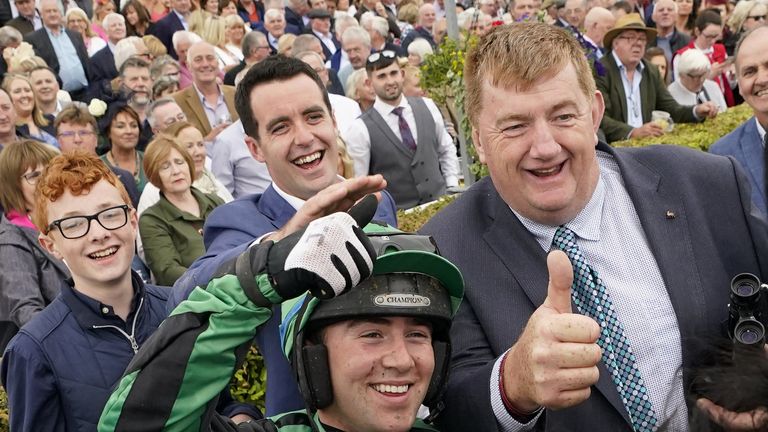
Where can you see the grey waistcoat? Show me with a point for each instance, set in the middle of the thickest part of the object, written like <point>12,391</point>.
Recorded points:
<point>413,178</point>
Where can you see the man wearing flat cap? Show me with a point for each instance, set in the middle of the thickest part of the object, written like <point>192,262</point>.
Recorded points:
<point>320,27</point>
<point>632,89</point>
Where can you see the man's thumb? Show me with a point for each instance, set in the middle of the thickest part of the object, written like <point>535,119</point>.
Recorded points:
<point>560,281</point>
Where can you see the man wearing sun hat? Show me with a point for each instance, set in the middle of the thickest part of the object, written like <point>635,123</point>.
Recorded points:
<point>632,90</point>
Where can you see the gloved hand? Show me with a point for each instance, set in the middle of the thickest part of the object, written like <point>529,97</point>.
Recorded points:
<point>330,256</point>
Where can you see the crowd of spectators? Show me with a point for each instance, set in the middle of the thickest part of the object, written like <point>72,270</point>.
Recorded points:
<point>150,87</point>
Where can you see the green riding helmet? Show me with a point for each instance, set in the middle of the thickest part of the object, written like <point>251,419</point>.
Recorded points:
<point>409,278</point>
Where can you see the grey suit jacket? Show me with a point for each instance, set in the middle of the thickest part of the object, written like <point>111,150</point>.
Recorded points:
<point>506,276</point>
<point>744,144</point>
<point>30,277</point>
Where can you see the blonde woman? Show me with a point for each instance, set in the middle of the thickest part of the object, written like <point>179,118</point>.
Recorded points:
<point>234,34</point>
<point>747,15</point>
<point>101,8</point>
<point>285,44</point>
<point>30,120</point>
<point>78,21</point>
<point>359,90</point>
<point>214,32</point>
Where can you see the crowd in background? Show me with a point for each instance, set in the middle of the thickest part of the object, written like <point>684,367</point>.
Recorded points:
<point>149,87</point>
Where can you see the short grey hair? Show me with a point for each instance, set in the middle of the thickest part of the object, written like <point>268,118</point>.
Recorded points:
<point>125,49</point>
<point>343,22</point>
<point>356,34</point>
<point>9,35</point>
<point>185,36</point>
<point>112,16</point>
<point>153,106</point>
<point>380,26</point>
<point>251,42</point>
<point>159,63</point>
<point>693,60</point>
<point>421,48</point>
<point>274,13</point>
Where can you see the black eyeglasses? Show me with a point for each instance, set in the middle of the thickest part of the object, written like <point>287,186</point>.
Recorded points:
<point>78,226</point>
<point>373,58</point>
<point>32,177</point>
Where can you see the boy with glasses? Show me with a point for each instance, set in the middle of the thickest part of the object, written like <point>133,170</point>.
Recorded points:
<point>59,370</point>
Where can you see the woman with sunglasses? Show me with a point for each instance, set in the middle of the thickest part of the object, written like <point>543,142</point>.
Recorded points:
<point>172,229</point>
<point>30,277</point>
<point>747,15</point>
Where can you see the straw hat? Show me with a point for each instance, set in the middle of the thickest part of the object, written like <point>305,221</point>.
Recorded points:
<point>628,22</point>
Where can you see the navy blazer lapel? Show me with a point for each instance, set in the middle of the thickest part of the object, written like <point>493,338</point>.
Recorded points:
<point>750,144</point>
<point>518,250</point>
<point>522,255</point>
<point>664,220</point>
<point>275,207</point>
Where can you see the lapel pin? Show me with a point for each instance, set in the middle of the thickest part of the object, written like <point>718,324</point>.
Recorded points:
<point>670,214</point>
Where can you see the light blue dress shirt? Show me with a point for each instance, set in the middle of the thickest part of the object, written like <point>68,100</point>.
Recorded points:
<point>71,70</point>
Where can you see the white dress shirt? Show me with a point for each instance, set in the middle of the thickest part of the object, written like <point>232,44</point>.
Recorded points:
<point>359,141</point>
<point>609,234</point>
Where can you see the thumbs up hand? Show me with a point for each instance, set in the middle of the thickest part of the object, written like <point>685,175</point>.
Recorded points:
<point>554,362</point>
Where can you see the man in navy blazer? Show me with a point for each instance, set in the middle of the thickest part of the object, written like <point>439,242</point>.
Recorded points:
<point>648,221</point>
<point>289,125</point>
<point>746,142</point>
<point>175,20</point>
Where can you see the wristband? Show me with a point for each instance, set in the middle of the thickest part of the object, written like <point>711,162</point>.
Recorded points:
<point>521,417</point>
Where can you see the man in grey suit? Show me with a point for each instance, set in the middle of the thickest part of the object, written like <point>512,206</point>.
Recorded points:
<point>632,241</point>
<point>746,142</point>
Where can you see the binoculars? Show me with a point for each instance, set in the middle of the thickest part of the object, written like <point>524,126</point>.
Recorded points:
<point>748,310</point>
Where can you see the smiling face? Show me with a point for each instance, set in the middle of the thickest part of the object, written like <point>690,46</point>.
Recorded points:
<point>387,83</point>
<point>297,135</point>
<point>539,145</point>
<point>76,23</point>
<point>7,115</point>
<point>752,70</point>
<point>124,132</point>
<point>203,63</point>
<point>275,25</point>
<point>115,30</point>
<point>191,139</point>
<point>44,85</point>
<point>100,260</point>
<point>22,96</point>
<point>380,371</point>
<point>229,9</point>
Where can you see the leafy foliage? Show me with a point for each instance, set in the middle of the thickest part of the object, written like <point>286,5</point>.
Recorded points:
<point>697,135</point>
<point>249,384</point>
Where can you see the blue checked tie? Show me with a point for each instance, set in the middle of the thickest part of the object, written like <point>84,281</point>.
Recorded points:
<point>592,299</point>
<point>405,130</point>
